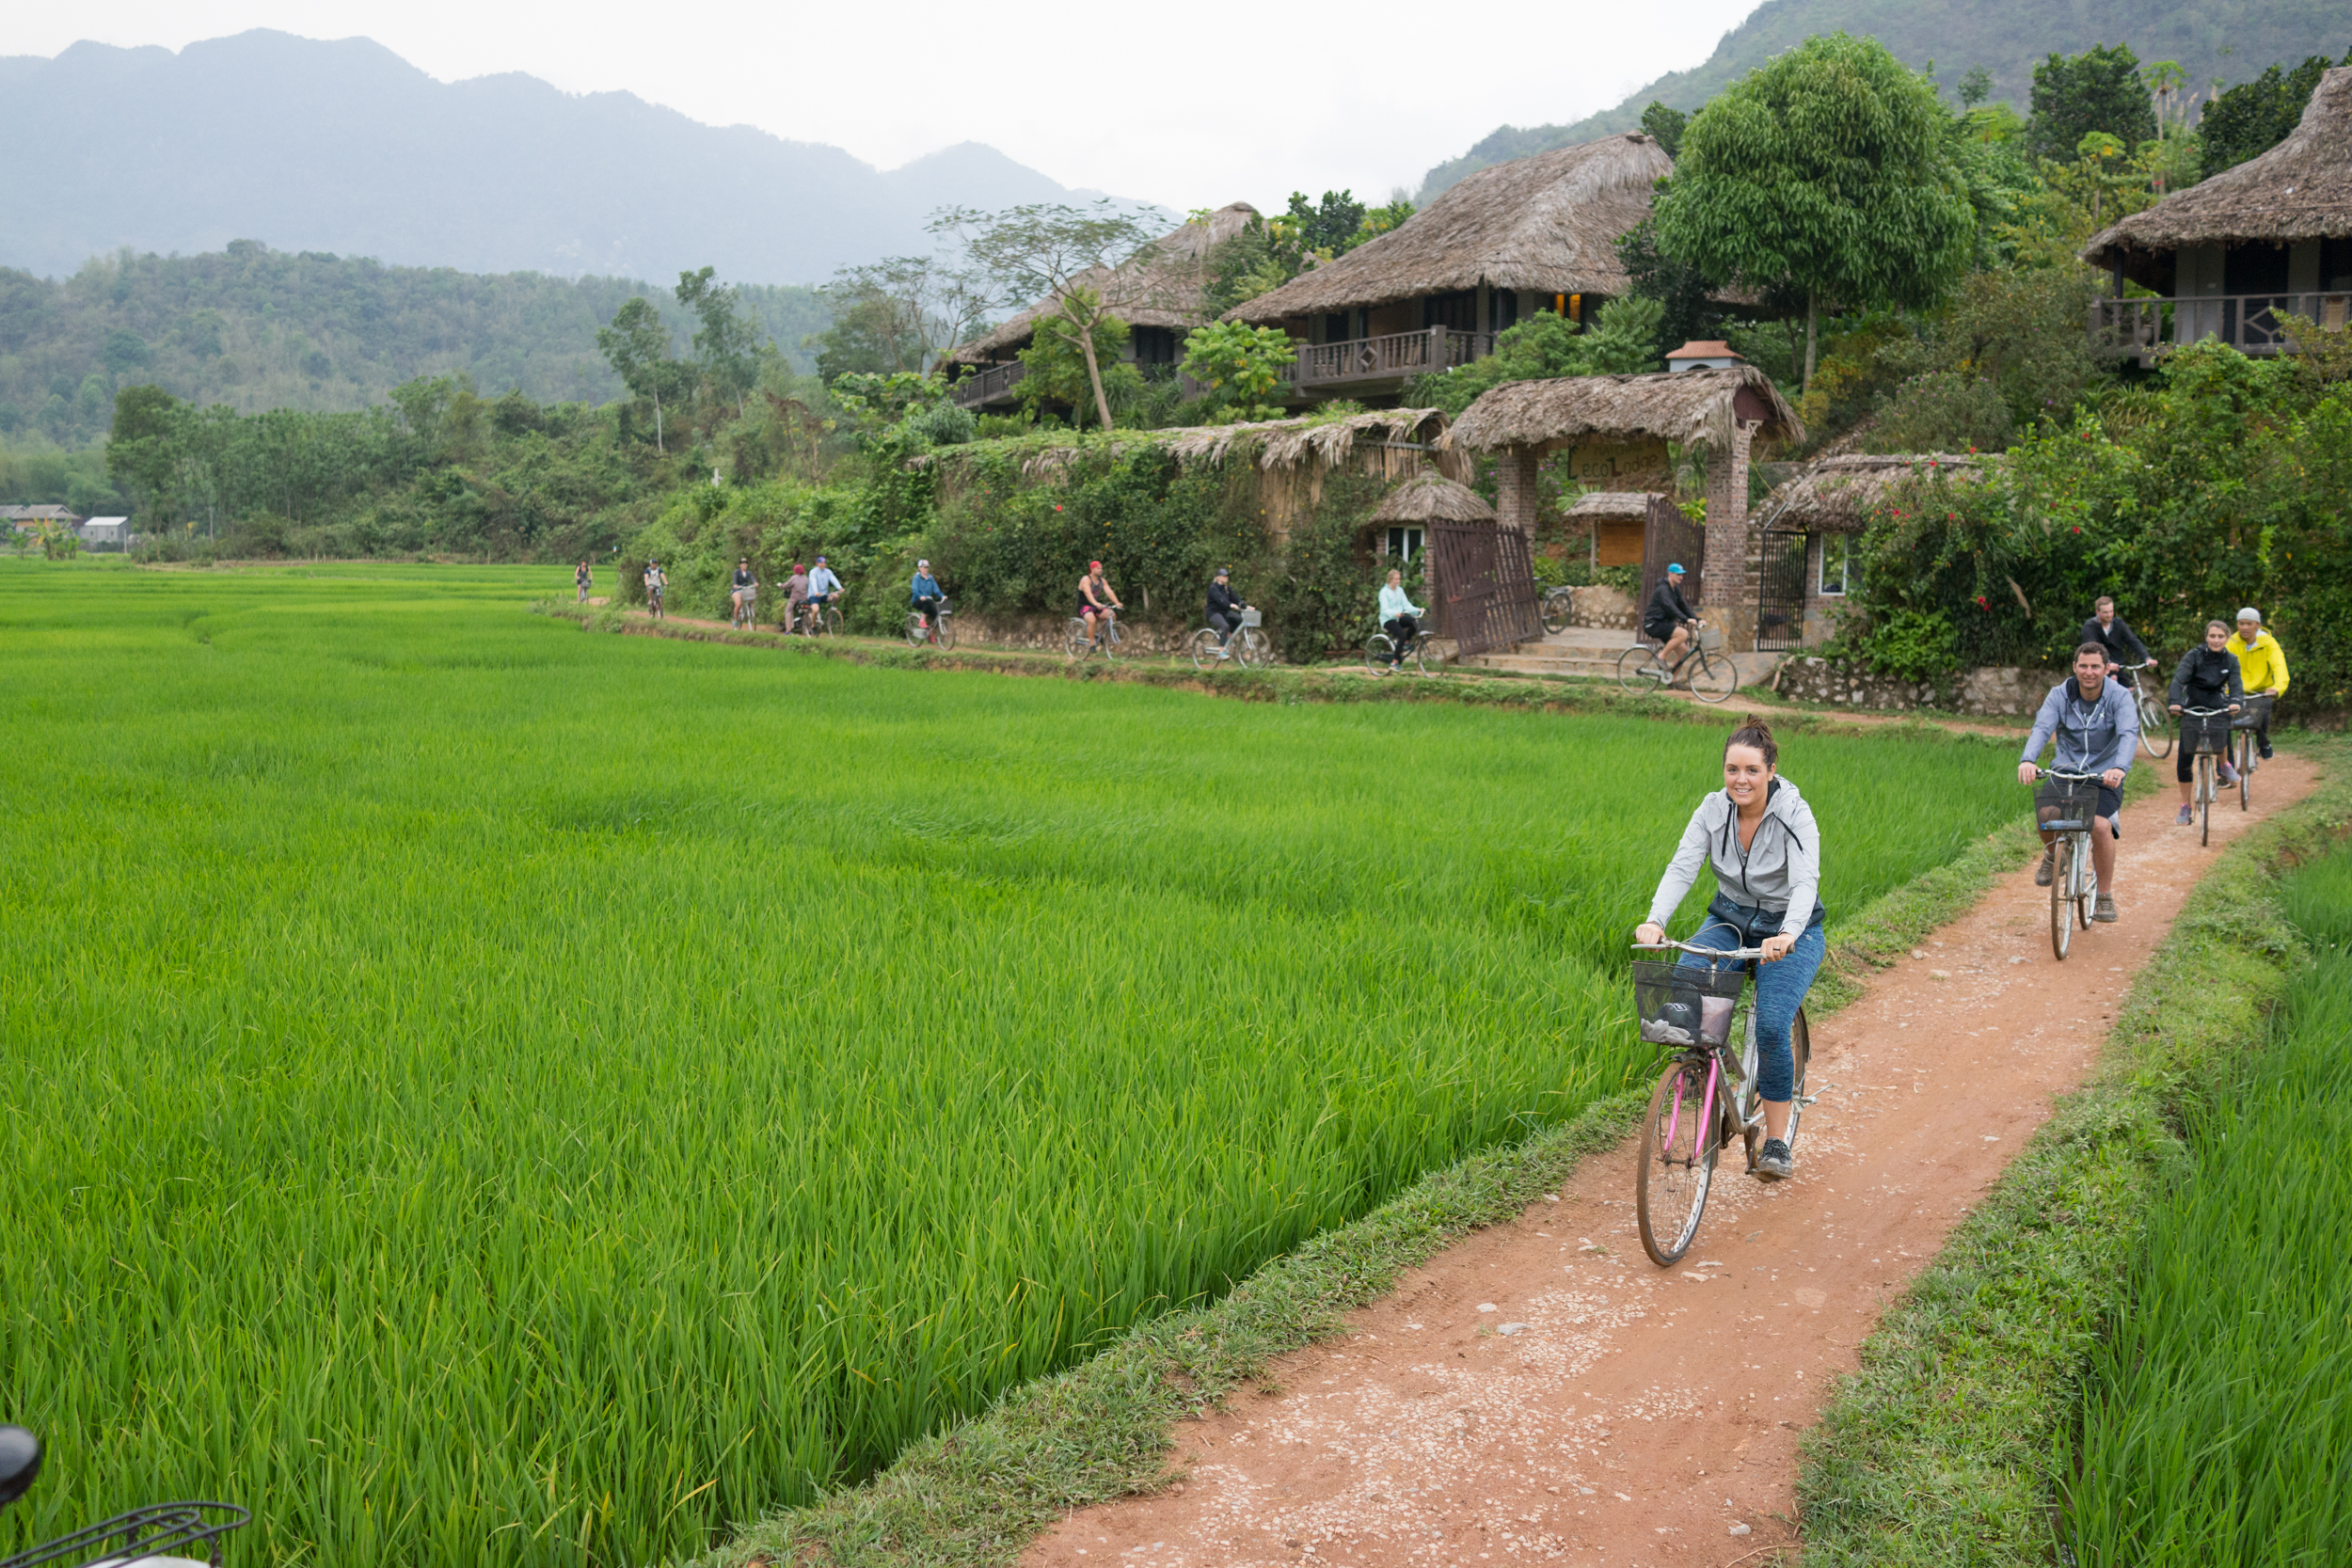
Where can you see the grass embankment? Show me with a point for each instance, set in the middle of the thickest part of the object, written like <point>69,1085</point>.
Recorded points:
<point>2217,1422</point>
<point>1944,1447</point>
<point>491,1094</point>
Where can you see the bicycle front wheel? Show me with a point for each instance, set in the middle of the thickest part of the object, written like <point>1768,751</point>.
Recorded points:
<point>1638,669</point>
<point>1677,1163</point>
<point>2061,898</point>
<point>1801,1052</point>
<point>1252,649</point>
<point>2204,798</point>
<point>831,622</point>
<point>2086,883</point>
<point>2244,769</point>
<point>1713,676</point>
<point>943,628</point>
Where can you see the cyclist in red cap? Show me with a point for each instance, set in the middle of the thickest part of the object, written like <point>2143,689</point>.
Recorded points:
<point>1097,603</point>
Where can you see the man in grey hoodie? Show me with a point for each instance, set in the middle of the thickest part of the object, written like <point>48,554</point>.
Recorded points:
<point>2097,727</point>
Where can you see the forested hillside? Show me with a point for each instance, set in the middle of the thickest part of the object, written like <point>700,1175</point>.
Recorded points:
<point>2230,40</point>
<point>346,147</point>
<point>257,328</point>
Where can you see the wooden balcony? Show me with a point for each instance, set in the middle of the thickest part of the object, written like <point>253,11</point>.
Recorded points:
<point>993,383</point>
<point>2144,328</point>
<point>1389,358</point>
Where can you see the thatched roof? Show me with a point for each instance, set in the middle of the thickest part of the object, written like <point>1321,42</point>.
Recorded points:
<point>1667,405</point>
<point>1550,223</point>
<point>1839,494</point>
<point>1433,498</point>
<point>2300,189</point>
<point>1614,506</point>
<point>1160,287</point>
<point>1269,444</point>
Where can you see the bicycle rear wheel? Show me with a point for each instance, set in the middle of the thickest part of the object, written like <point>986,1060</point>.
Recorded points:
<point>1677,1163</point>
<point>917,634</point>
<point>1378,651</point>
<point>1077,644</point>
<point>2155,727</point>
<point>1713,676</point>
<point>1801,1049</point>
<point>1556,612</point>
<point>1638,669</point>
<point>2061,899</point>
<point>1202,646</point>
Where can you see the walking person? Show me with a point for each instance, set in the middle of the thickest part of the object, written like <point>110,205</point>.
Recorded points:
<point>2262,668</point>
<point>1759,836</point>
<point>2096,725</point>
<point>1400,617</point>
<point>581,579</point>
<point>2208,676</point>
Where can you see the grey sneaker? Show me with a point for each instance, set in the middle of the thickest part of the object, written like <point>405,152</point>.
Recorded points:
<point>2103,910</point>
<point>2047,870</point>
<point>1774,1162</point>
<point>2186,817</point>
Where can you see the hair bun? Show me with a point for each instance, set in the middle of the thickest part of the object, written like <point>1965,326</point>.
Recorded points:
<point>1755,733</point>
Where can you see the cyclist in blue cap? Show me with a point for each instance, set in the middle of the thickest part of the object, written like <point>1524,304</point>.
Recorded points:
<point>1669,618</point>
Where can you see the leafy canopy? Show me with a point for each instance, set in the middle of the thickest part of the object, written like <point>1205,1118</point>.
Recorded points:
<point>2254,116</point>
<point>2099,90</point>
<point>1242,367</point>
<point>1622,340</point>
<point>1829,172</point>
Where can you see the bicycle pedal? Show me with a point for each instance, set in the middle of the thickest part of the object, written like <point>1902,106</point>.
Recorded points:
<point>1809,1099</point>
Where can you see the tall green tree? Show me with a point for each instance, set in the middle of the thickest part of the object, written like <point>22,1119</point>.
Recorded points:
<point>2099,90</point>
<point>729,341</point>
<point>636,346</point>
<point>2254,116</point>
<point>1059,256</point>
<point>1828,173</point>
<point>142,448</point>
<point>1665,126</point>
<point>899,314</point>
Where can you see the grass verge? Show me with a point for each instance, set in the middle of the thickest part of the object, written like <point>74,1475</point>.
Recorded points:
<point>979,1493</point>
<point>1941,1448</point>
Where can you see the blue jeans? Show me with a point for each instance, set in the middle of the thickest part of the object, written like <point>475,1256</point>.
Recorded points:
<point>1780,989</point>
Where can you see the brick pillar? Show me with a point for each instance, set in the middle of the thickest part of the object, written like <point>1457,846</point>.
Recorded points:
<point>1728,595</point>
<point>1515,488</point>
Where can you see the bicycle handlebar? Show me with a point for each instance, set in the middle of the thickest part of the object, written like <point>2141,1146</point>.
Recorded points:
<point>1734,954</point>
<point>2057,774</point>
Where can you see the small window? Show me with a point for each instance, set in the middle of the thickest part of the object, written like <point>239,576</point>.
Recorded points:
<point>1505,310</point>
<point>1456,311</point>
<point>1403,543</point>
<point>1153,345</point>
<point>1335,326</point>
<point>1840,572</point>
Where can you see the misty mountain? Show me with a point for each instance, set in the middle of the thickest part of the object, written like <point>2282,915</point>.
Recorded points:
<point>345,147</point>
<point>2230,40</point>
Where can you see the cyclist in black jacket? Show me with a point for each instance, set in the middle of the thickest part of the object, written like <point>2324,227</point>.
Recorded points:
<point>1225,605</point>
<point>1669,616</point>
<point>2125,651</point>
<point>2206,677</point>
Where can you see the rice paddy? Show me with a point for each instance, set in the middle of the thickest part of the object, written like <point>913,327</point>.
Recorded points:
<point>2218,1422</point>
<point>480,1093</point>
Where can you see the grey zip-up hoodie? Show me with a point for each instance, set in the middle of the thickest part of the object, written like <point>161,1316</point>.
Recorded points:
<point>1781,869</point>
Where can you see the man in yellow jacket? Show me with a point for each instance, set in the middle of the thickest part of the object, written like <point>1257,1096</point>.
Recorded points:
<point>2262,663</point>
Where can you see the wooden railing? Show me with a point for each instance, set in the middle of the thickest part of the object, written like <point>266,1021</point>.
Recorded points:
<point>1398,353</point>
<point>989,384</point>
<point>2248,323</point>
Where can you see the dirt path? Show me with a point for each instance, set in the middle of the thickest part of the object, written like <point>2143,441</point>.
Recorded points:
<point>1542,1392</point>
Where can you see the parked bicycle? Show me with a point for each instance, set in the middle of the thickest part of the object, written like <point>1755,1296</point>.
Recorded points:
<point>2072,801</point>
<point>1558,605</point>
<point>1707,1094</point>
<point>2156,719</point>
<point>1711,673</point>
<point>2206,732</point>
<point>1381,651</point>
<point>936,631</point>
<point>1246,645</point>
<point>2243,756</point>
<point>1082,643</point>
<point>148,1537</point>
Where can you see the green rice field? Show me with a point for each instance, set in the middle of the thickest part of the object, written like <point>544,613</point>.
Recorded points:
<point>2218,1422</point>
<point>484,1093</point>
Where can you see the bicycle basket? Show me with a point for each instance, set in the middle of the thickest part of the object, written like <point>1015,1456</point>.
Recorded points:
<point>1710,638</point>
<point>1253,617</point>
<point>1684,1004</point>
<point>2210,732</point>
<point>2256,713</point>
<point>2066,801</point>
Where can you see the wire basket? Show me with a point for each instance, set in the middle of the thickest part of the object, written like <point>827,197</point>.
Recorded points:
<point>2256,713</point>
<point>2066,801</point>
<point>1685,1004</point>
<point>2208,733</point>
<point>1710,638</point>
<point>1253,617</point>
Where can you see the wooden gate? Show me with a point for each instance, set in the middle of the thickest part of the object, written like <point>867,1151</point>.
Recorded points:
<point>1780,593</point>
<point>1671,537</point>
<point>1486,586</point>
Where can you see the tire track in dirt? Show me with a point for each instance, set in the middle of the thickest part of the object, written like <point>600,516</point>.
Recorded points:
<point>1542,1392</point>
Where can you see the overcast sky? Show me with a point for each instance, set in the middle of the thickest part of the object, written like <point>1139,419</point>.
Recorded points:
<point>1189,106</point>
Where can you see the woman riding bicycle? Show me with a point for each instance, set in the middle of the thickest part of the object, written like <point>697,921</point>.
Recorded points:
<point>2207,677</point>
<point>1759,835</point>
<point>1399,617</point>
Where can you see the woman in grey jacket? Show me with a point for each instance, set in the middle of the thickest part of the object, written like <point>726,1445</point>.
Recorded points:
<point>1759,835</point>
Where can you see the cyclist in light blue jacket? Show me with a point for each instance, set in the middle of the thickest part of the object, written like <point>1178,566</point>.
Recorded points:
<point>2096,725</point>
<point>1398,618</point>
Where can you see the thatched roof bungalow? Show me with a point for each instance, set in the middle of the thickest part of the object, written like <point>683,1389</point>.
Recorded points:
<point>1837,494</point>
<point>2233,253</point>
<point>1534,234</point>
<point>1432,499</point>
<point>1157,294</point>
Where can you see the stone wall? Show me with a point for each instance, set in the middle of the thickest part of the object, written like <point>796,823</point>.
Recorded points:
<point>1996,693</point>
<point>1607,609</point>
<point>1049,633</point>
